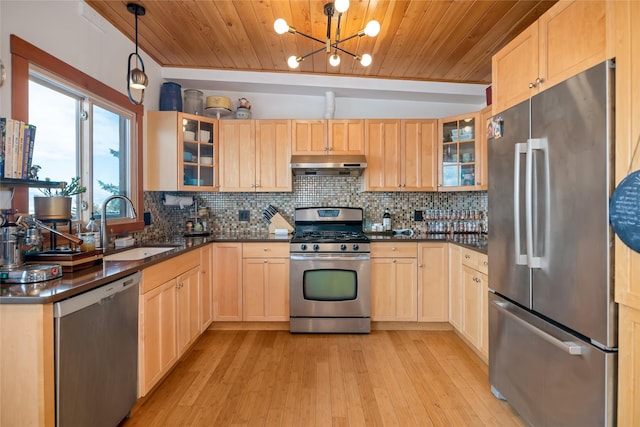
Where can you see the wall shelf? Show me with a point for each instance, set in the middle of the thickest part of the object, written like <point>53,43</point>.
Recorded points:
<point>33,183</point>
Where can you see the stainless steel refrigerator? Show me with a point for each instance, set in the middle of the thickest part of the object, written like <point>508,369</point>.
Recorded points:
<point>552,317</point>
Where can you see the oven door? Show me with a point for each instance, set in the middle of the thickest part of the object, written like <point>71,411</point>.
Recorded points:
<point>330,285</point>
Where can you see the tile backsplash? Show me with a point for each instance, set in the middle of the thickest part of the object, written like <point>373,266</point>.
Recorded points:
<point>223,208</point>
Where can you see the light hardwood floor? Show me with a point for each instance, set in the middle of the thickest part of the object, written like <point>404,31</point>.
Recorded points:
<point>274,378</point>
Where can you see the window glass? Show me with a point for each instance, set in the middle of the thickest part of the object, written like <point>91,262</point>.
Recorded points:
<point>110,153</point>
<point>330,285</point>
<point>78,134</point>
<point>54,113</point>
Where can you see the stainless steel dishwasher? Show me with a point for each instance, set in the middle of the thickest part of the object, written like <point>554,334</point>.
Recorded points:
<point>96,354</point>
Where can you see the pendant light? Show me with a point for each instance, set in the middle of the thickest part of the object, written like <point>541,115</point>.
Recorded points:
<point>136,78</point>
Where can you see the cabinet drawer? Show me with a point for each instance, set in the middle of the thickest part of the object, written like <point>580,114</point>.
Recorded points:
<point>476,260</point>
<point>157,274</point>
<point>265,250</point>
<point>483,263</point>
<point>394,250</point>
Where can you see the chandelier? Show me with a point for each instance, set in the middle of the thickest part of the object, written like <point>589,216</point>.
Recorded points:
<point>331,48</point>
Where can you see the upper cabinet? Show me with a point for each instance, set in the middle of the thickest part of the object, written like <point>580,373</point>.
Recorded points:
<point>459,153</point>
<point>401,155</point>
<point>255,155</point>
<point>328,136</point>
<point>345,136</point>
<point>569,38</point>
<point>181,152</point>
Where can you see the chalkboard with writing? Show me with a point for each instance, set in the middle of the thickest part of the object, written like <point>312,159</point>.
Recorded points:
<point>624,211</point>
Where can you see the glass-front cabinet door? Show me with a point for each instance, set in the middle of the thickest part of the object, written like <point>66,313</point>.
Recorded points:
<point>458,154</point>
<point>198,152</point>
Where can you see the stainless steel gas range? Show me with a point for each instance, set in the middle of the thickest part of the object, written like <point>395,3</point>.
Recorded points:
<point>330,272</point>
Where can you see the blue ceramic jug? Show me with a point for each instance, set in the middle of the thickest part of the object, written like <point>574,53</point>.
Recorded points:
<point>170,97</point>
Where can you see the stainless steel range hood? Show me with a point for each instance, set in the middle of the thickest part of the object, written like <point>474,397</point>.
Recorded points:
<point>328,165</point>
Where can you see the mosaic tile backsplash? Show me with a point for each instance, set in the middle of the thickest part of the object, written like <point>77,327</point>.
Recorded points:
<point>223,208</point>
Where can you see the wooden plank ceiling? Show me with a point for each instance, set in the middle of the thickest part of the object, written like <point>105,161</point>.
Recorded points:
<point>425,40</point>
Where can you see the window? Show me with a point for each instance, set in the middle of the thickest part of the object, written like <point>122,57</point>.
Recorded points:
<point>102,133</point>
<point>84,136</point>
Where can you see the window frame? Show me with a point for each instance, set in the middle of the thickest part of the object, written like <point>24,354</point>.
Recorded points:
<point>23,55</point>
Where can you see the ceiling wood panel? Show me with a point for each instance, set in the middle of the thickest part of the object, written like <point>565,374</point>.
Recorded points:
<point>419,39</point>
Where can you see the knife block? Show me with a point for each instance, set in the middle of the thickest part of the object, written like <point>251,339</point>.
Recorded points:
<point>278,221</point>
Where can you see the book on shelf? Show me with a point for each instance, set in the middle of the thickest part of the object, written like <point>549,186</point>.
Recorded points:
<point>16,148</point>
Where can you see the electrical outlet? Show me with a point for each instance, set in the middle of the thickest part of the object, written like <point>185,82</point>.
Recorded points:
<point>244,215</point>
<point>417,216</point>
<point>147,218</point>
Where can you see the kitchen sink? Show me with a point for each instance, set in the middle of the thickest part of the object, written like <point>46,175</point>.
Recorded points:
<point>134,254</point>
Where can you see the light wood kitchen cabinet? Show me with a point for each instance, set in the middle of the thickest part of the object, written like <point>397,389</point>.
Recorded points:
<point>206,287</point>
<point>265,287</point>
<point>482,168</point>
<point>227,281</point>
<point>334,136</point>
<point>455,286</point>
<point>309,137</point>
<point>569,38</point>
<point>433,282</point>
<point>401,155</point>
<point>188,301</point>
<point>459,156</point>
<point>475,308</point>
<point>345,137</point>
<point>158,333</point>
<point>629,366</point>
<point>626,32</point>
<point>255,155</point>
<point>167,323</point>
<point>181,152</point>
<point>394,282</point>
<point>383,152</point>
<point>27,369</point>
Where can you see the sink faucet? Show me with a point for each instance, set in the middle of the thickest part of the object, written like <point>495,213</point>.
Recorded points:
<point>103,222</point>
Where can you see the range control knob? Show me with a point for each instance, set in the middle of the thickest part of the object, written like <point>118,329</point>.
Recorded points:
<point>343,247</point>
<point>355,247</point>
<point>316,247</point>
<point>303,247</point>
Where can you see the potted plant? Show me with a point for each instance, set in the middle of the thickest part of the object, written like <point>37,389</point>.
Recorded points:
<point>56,202</point>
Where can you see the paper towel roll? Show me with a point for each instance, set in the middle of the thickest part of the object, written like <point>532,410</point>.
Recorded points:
<point>170,200</point>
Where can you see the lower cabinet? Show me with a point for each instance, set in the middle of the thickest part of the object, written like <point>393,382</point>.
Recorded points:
<point>469,305</point>
<point>265,282</point>
<point>455,286</point>
<point>188,302</point>
<point>227,282</point>
<point>433,282</point>
<point>629,366</point>
<point>206,287</point>
<point>169,316</point>
<point>394,281</point>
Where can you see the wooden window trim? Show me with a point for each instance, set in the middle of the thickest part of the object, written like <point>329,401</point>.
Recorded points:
<point>22,55</point>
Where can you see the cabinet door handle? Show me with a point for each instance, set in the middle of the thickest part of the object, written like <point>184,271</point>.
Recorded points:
<point>394,261</point>
<point>266,249</point>
<point>467,257</point>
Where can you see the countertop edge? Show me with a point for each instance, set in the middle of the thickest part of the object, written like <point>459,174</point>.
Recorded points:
<point>75,283</point>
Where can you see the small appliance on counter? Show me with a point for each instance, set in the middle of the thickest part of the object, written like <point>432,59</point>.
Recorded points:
<point>12,266</point>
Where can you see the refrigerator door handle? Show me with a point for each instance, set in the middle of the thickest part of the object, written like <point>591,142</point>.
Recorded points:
<point>532,144</point>
<point>570,347</point>
<point>521,148</point>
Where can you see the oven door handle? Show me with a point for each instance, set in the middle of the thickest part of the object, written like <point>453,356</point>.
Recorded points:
<point>330,257</point>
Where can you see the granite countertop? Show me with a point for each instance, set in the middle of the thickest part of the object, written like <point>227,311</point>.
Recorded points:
<point>71,284</point>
